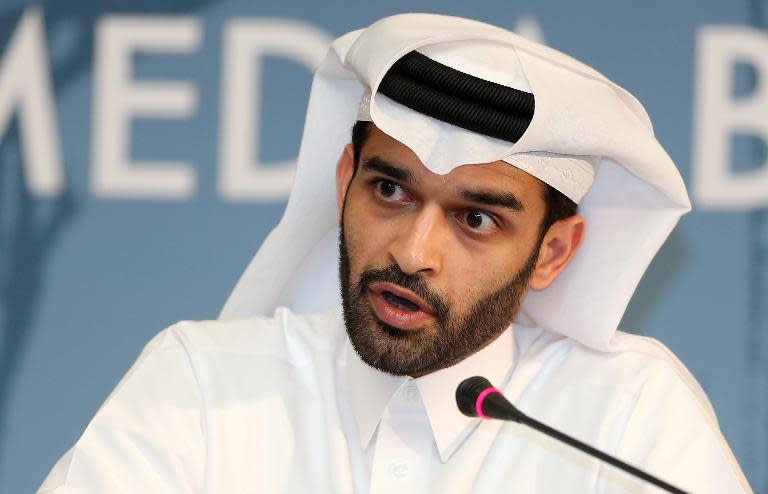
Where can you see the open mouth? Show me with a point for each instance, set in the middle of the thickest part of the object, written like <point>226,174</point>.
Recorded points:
<point>399,302</point>
<point>398,307</point>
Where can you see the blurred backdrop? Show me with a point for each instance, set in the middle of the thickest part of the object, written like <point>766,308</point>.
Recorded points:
<point>146,150</point>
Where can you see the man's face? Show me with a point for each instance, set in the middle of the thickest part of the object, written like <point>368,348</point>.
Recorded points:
<point>433,267</point>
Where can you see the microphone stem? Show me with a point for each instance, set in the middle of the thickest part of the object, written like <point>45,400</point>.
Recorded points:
<point>595,452</point>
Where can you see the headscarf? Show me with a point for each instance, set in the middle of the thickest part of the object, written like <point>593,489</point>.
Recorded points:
<point>588,138</point>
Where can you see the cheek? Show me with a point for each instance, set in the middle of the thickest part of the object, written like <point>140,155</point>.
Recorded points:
<point>472,276</point>
<point>468,285</point>
<point>367,237</point>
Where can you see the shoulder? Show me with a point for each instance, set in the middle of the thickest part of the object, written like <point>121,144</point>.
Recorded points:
<point>636,400</point>
<point>628,356</point>
<point>660,373</point>
<point>630,368</point>
<point>283,335</point>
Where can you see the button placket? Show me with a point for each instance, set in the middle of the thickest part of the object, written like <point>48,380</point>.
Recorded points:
<point>401,460</point>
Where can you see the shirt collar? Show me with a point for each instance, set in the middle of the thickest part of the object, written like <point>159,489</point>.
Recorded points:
<point>371,390</point>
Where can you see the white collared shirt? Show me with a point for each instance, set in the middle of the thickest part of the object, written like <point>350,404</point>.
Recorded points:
<point>284,404</point>
<point>409,428</point>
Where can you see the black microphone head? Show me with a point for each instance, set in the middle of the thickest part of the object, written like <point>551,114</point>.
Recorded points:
<point>467,393</point>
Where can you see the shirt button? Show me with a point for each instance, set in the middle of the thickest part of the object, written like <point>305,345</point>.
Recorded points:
<point>399,469</point>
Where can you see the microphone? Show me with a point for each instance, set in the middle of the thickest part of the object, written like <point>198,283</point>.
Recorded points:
<point>476,397</point>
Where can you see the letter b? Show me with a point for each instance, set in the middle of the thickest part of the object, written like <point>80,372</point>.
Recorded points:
<point>719,115</point>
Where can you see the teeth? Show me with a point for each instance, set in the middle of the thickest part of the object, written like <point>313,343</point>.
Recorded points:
<point>400,302</point>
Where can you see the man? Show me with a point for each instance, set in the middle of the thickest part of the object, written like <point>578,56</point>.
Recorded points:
<point>461,252</point>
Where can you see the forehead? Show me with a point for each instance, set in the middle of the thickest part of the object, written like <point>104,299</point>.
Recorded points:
<point>497,174</point>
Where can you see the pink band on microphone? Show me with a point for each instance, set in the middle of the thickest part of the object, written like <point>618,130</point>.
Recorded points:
<point>481,397</point>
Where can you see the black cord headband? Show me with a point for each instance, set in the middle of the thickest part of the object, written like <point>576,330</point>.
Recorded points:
<point>464,100</point>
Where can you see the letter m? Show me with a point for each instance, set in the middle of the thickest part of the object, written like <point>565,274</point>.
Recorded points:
<point>25,86</point>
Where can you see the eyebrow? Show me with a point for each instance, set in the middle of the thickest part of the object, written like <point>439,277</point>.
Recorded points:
<point>503,199</point>
<point>506,200</point>
<point>379,165</point>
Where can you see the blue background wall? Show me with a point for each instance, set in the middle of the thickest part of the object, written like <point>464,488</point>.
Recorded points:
<point>86,280</point>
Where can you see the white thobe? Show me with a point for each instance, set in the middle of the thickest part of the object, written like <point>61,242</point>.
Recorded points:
<point>283,404</point>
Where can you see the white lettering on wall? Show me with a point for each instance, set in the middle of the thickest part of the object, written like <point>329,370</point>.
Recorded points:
<point>25,84</point>
<point>718,116</point>
<point>117,99</point>
<point>241,174</point>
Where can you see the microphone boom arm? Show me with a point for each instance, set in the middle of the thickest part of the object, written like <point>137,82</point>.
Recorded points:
<point>535,424</point>
<point>475,397</point>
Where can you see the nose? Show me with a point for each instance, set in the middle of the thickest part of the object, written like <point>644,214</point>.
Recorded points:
<point>419,246</point>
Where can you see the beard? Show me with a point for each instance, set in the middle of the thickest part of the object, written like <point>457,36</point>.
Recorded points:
<point>417,352</point>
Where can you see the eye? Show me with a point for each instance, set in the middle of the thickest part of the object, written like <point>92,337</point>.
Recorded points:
<point>389,191</point>
<point>478,221</point>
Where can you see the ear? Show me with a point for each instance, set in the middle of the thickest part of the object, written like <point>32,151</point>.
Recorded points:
<point>345,169</point>
<point>560,243</point>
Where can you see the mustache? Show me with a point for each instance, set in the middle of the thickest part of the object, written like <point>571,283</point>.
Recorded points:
<point>413,282</point>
